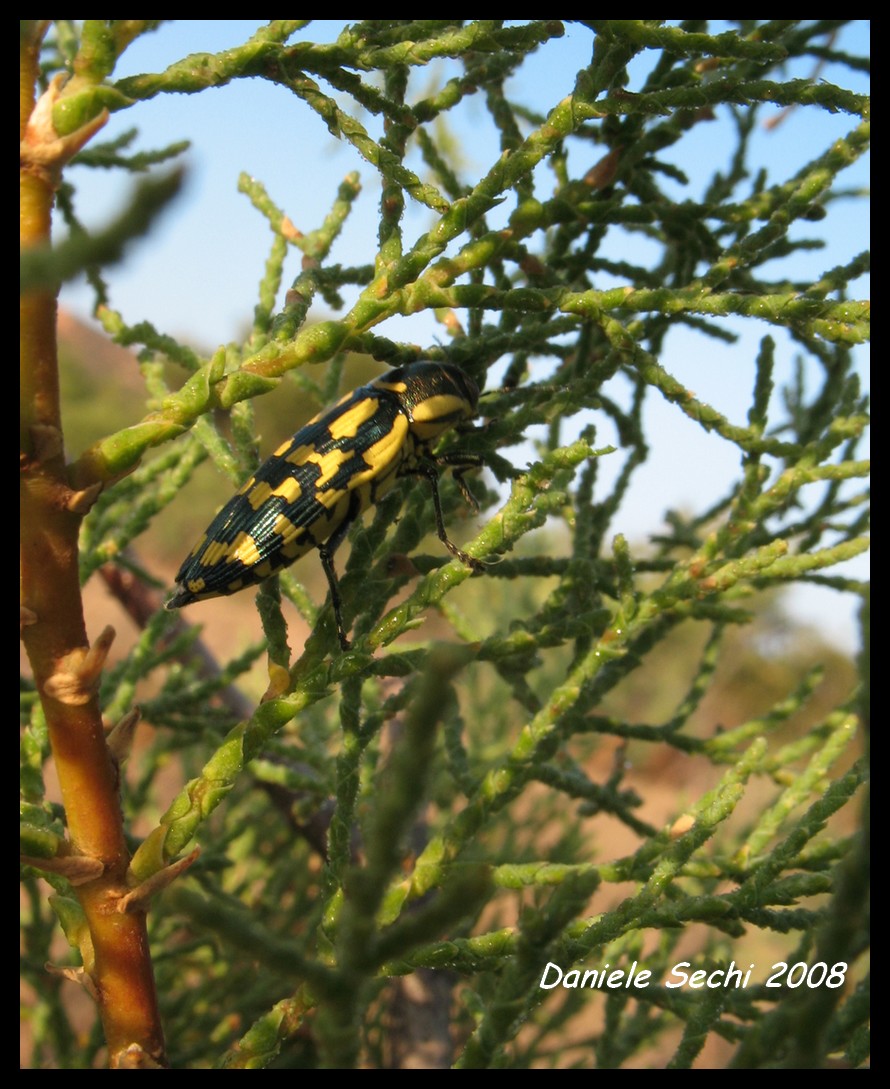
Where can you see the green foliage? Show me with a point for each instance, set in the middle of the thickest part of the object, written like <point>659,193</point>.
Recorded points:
<point>587,755</point>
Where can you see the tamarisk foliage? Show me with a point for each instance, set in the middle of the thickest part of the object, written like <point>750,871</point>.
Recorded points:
<point>598,753</point>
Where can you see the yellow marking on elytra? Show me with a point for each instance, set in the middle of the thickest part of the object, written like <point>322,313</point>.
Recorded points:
<point>294,541</point>
<point>288,489</point>
<point>385,454</point>
<point>215,552</point>
<point>244,550</point>
<point>329,464</point>
<point>299,456</point>
<point>284,527</point>
<point>258,495</point>
<point>347,425</point>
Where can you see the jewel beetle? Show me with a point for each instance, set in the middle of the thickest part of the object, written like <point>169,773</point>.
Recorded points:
<point>318,482</point>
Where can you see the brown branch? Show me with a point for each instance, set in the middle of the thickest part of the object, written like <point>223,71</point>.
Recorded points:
<point>66,669</point>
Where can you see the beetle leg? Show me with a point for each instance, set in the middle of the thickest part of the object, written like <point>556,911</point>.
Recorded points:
<point>462,463</point>
<point>326,554</point>
<point>429,471</point>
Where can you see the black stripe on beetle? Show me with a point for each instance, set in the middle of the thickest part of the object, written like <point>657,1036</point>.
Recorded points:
<point>315,485</point>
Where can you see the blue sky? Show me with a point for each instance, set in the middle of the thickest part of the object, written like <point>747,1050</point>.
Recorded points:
<point>198,277</point>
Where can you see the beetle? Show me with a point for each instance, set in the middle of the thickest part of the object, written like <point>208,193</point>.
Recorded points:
<point>318,482</point>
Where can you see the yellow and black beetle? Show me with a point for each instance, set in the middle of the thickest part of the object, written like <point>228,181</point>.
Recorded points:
<point>315,485</point>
